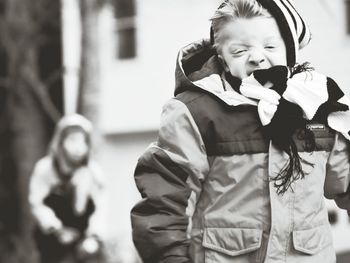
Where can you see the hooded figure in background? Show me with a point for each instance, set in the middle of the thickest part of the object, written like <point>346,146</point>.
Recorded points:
<point>65,192</point>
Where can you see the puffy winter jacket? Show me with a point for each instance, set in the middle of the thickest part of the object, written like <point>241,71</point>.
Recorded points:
<point>205,183</point>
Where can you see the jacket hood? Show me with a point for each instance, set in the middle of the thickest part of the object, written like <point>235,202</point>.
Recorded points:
<point>198,67</point>
<point>70,121</point>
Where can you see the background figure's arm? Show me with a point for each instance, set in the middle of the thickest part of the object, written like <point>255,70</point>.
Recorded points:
<point>40,185</point>
<point>338,173</point>
<point>169,176</point>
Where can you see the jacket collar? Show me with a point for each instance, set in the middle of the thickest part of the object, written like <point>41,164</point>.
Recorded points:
<point>197,66</point>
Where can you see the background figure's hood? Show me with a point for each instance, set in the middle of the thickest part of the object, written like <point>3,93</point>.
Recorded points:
<point>73,120</point>
<point>198,67</point>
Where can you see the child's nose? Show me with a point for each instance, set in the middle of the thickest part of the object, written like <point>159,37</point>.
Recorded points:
<point>256,58</point>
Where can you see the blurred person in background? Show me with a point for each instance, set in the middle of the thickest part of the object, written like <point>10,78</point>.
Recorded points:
<point>65,192</point>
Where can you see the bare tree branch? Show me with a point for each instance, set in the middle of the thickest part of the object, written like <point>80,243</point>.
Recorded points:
<point>40,90</point>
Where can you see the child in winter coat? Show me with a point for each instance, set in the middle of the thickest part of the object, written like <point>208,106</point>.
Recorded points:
<point>65,191</point>
<point>247,149</point>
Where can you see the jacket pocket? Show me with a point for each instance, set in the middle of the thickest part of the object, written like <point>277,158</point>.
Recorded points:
<point>312,241</point>
<point>232,241</point>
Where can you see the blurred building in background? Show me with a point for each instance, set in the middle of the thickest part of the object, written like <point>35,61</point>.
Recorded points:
<point>137,54</point>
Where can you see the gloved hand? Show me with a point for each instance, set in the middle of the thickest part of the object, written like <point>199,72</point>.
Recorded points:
<point>67,235</point>
<point>89,247</point>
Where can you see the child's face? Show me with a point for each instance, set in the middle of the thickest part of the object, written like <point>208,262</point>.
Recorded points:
<point>75,146</point>
<point>251,44</point>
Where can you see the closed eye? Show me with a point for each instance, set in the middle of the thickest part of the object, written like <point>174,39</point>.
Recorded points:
<point>239,52</point>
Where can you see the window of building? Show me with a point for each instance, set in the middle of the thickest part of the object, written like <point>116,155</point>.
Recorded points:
<point>126,34</point>
<point>125,14</point>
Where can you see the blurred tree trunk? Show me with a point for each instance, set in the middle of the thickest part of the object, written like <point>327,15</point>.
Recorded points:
<point>27,117</point>
<point>88,103</point>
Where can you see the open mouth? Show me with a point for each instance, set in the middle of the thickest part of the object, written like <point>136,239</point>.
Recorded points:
<point>249,72</point>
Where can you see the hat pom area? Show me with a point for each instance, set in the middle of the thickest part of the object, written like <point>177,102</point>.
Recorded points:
<point>293,28</point>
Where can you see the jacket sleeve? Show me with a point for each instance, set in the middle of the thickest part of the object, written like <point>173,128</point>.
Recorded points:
<point>169,176</point>
<point>40,186</point>
<point>338,174</point>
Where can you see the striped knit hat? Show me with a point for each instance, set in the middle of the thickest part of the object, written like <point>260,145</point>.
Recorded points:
<point>293,28</point>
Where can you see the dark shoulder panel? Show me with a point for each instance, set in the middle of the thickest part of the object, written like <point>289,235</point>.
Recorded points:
<point>228,130</point>
<point>225,130</point>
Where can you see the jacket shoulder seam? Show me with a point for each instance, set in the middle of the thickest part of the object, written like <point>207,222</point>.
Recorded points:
<point>191,100</point>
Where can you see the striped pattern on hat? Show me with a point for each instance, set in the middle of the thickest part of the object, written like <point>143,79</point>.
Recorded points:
<point>293,27</point>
